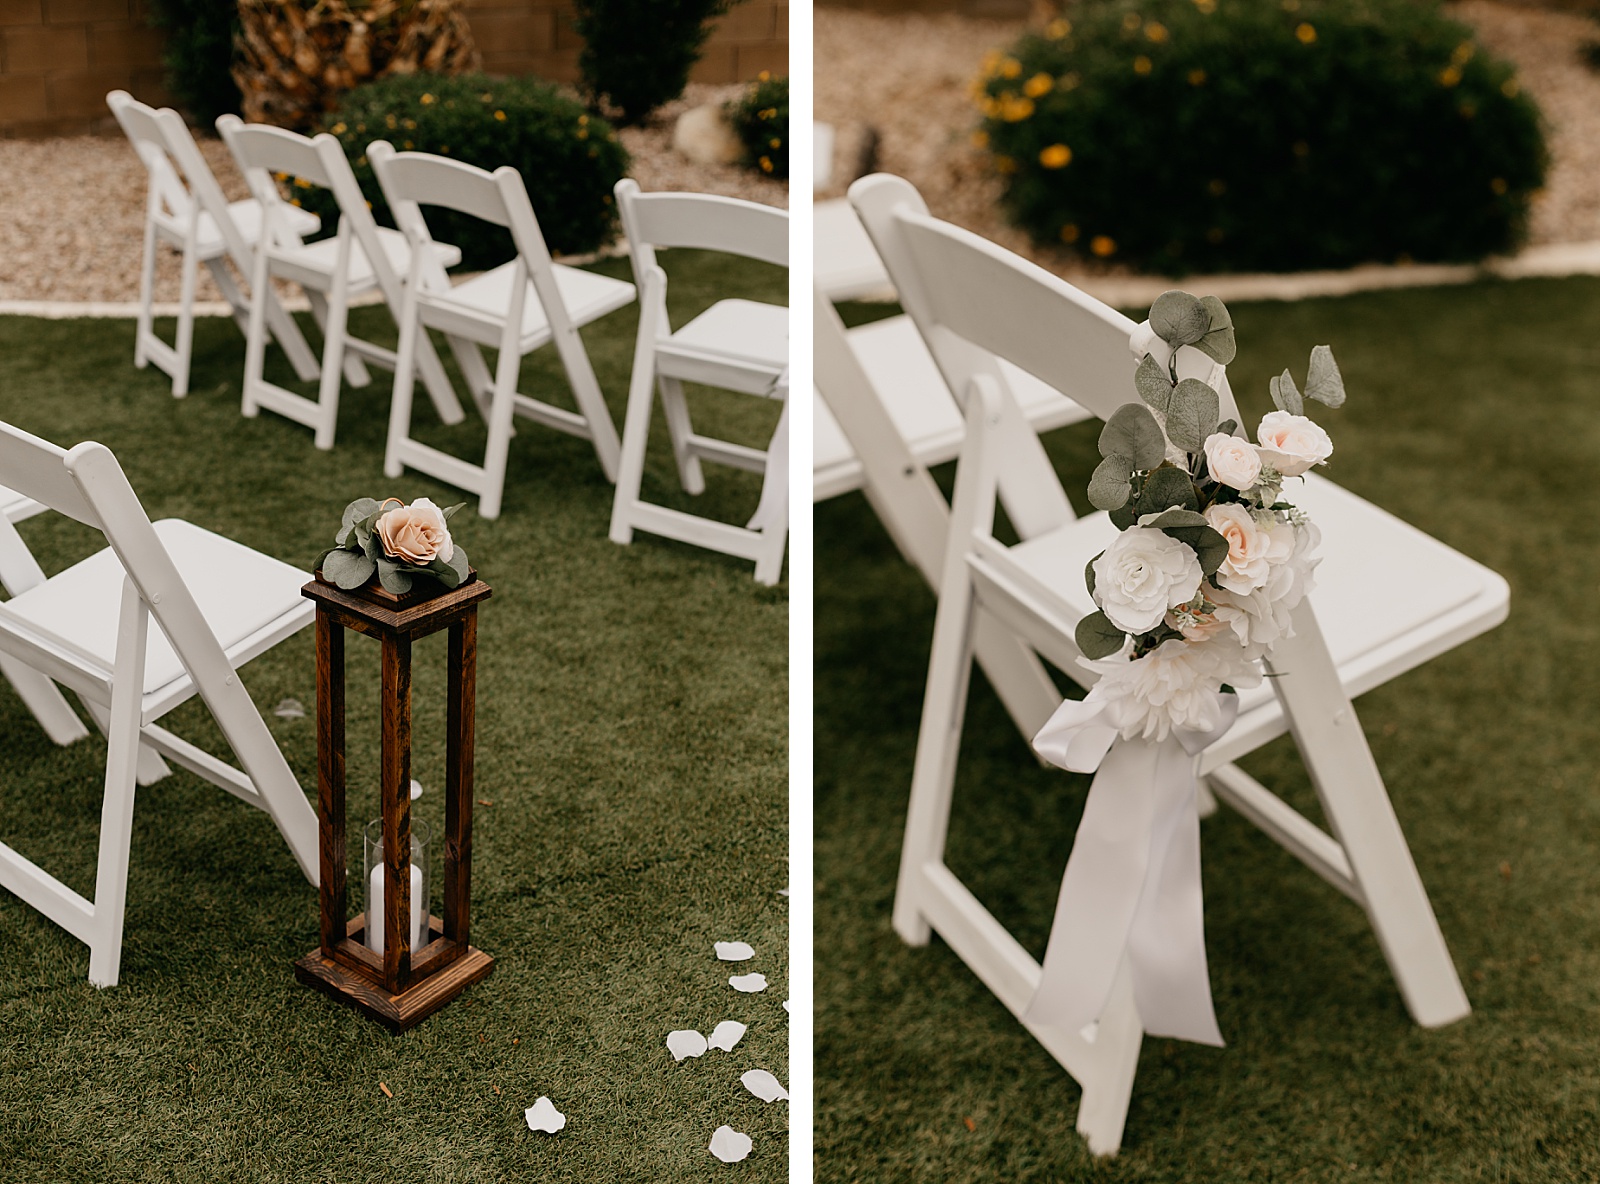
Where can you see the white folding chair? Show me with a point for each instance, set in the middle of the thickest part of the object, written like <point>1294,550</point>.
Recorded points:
<point>516,308</point>
<point>199,223</point>
<point>974,303</point>
<point>360,257</point>
<point>738,345</point>
<point>216,605</point>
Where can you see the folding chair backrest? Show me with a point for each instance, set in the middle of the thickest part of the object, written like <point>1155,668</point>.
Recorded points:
<point>38,469</point>
<point>196,173</point>
<point>143,130</point>
<point>702,220</point>
<point>263,151</point>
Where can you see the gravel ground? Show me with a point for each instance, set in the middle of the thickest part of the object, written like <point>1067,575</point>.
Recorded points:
<point>75,231</point>
<point>906,76</point>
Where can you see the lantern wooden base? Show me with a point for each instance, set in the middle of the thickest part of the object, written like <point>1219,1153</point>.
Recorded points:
<point>335,977</point>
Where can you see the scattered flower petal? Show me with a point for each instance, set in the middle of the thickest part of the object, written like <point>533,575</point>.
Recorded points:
<point>729,1145</point>
<point>783,892</point>
<point>734,951</point>
<point>416,789</point>
<point>543,1116</point>
<point>685,1042</point>
<point>748,983</point>
<point>726,1035</point>
<point>290,709</point>
<point>786,1005</point>
<point>764,1085</point>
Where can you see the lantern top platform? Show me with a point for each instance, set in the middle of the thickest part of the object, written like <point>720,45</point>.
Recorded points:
<point>374,610</point>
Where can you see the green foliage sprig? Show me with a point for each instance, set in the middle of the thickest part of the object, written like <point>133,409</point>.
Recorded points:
<point>198,54</point>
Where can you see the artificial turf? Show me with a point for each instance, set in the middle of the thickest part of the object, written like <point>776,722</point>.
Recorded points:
<point>1472,414</point>
<point>631,770</point>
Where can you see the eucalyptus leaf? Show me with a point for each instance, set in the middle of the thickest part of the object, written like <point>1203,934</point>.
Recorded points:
<point>449,512</point>
<point>1133,432</point>
<point>1229,427</point>
<point>1154,387</point>
<point>1124,515</point>
<point>1193,414</point>
<point>1088,573</point>
<point>347,569</point>
<point>1207,544</point>
<point>1218,344</point>
<point>1324,383</point>
<point>1179,318</point>
<point>1109,487</point>
<point>1097,637</point>
<point>1168,487</point>
<point>393,578</point>
<point>1285,396</point>
<point>1173,518</point>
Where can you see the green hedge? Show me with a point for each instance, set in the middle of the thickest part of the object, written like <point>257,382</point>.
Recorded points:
<point>198,54</point>
<point>761,119</point>
<point>637,54</point>
<point>1189,135</point>
<point>568,158</point>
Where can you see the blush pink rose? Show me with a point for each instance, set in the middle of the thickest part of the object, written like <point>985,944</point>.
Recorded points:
<point>1292,444</point>
<point>416,534</point>
<point>1232,461</point>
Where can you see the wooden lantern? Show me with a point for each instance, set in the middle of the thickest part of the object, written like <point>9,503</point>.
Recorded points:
<point>402,986</point>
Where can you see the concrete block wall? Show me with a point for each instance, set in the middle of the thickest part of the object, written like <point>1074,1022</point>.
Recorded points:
<point>58,58</point>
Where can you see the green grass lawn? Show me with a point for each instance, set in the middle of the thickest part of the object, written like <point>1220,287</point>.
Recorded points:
<point>632,762</point>
<point>1474,413</point>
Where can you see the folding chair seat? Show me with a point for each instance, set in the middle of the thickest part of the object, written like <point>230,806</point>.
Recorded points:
<point>360,257</point>
<point>199,223</point>
<point>216,605</point>
<point>973,303</point>
<point>515,308</point>
<point>737,345</point>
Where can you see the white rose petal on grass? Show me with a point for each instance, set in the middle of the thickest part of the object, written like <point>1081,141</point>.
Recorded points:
<point>726,1035</point>
<point>290,709</point>
<point>764,1085</point>
<point>416,789</point>
<point>734,951</point>
<point>729,1145</point>
<point>786,1005</point>
<point>543,1116</point>
<point>748,983</point>
<point>1141,575</point>
<point>685,1042</point>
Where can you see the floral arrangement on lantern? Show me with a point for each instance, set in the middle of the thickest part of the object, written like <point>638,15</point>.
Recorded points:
<point>395,542</point>
<point>1212,556</point>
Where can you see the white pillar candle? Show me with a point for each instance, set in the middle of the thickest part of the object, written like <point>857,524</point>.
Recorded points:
<point>419,909</point>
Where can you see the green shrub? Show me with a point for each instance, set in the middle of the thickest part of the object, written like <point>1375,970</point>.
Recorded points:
<point>198,54</point>
<point>569,159</point>
<point>1262,134</point>
<point>761,120</point>
<point>637,53</point>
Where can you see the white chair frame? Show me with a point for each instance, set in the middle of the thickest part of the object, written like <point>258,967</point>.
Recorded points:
<point>364,257</point>
<point>664,361</point>
<point>203,227</point>
<point>535,313</point>
<point>88,485</point>
<point>975,303</point>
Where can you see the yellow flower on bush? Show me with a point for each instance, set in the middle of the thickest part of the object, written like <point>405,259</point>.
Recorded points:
<point>1156,32</point>
<point>1206,7</point>
<point>500,115</point>
<point>1103,245</point>
<point>1197,77</point>
<point>1013,109</point>
<point>766,164</point>
<point>1039,85</point>
<point>1142,65</point>
<point>1010,68</point>
<point>1450,76</point>
<point>1058,28</point>
<point>428,100</point>
<point>1057,156</point>
<point>1069,233</point>
<point>1305,33</point>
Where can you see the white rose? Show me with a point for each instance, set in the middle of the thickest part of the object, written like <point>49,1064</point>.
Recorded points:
<point>1261,617</point>
<point>416,534</point>
<point>1254,548</point>
<point>1175,685</point>
<point>1292,443</point>
<point>1232,461</point>
<point>1143,574</point>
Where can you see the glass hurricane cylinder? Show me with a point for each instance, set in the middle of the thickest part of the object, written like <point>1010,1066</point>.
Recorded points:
<point>372,865</point>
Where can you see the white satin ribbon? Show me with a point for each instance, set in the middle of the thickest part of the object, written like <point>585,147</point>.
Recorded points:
<point>773,508</point>
<point>1132,886</point>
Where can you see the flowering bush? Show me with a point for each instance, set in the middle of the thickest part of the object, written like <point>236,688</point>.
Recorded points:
<point>396,543</point>
<point>569,159</point>
<point>761,120</point>
<point>1211,558</point>
<point>1261,134</point>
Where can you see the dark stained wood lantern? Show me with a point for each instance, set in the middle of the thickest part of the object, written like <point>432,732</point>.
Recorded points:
<point>401,986</point>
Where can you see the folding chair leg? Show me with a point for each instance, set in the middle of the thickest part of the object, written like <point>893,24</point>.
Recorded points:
<point>680,429</point>
<point>147,289</point>
<point>437,382</point>
<point>1106,1069</point>
<point>501,410</point>
<point>288,334</point>
<point>591,403</point>
<point>255,342</point>
<point>236,299</point>
<point>355,371</point>
<point>334,361</point>
<point>1362,818</point>
<point>480,383</point>
<point>635,437</point>
<point>116,814</point>
<point>185,342</point>
<point>45,700</point>
<point>405,364</point>
<point>772,514</point>
<point>151,767</point>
